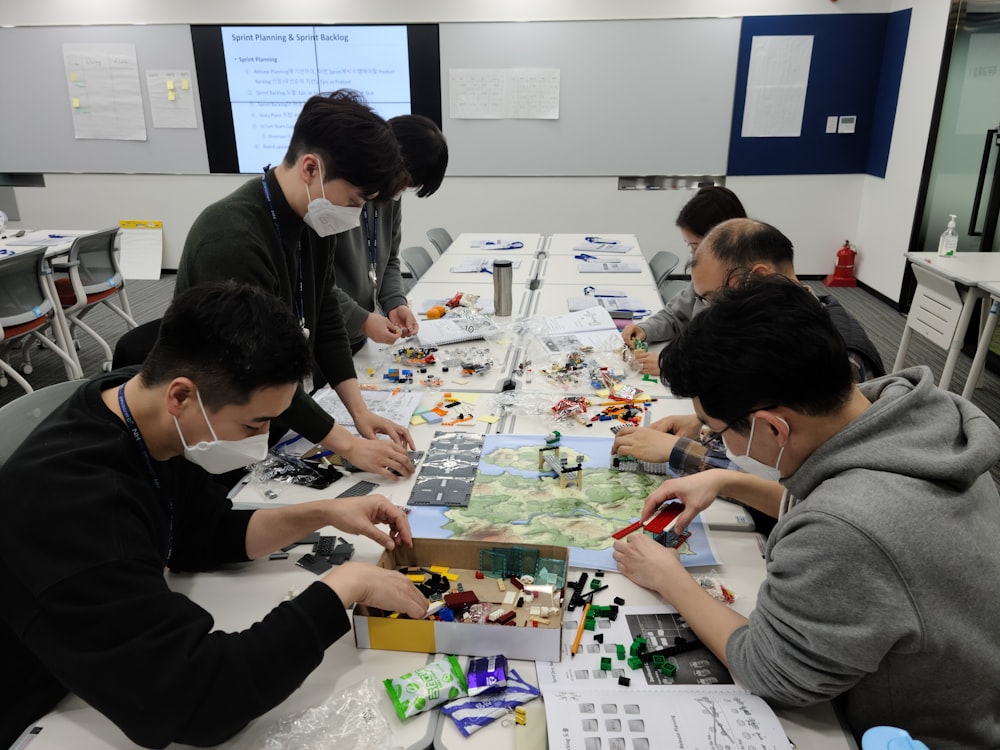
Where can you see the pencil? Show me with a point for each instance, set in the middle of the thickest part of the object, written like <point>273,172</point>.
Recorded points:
<point>579,631</point>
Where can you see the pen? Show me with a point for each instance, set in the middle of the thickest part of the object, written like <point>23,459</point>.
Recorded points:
<point>584,256</point>
<point>57,236</point>
<point>579,630</point>
<point>601,241</point>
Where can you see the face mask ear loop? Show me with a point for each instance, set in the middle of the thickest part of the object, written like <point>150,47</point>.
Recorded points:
<point>205,415</point>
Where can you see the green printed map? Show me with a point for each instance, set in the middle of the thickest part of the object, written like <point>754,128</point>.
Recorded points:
<point>512,501</point>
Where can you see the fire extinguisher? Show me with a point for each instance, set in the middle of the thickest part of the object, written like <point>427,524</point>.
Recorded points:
<point>843,272</point>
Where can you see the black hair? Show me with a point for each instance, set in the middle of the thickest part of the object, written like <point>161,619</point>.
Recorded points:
<point>425,151</point>
<point>709,206</point>
<point>739,244</point>
<point>354,143</point>
<point>231,339</point>
<point>765,342</point>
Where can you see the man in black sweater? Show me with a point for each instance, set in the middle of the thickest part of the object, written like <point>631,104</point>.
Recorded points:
<point>119,478</point>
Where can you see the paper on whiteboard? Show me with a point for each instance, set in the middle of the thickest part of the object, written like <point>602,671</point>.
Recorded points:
<point>104,91</point>
<point>776,86</point>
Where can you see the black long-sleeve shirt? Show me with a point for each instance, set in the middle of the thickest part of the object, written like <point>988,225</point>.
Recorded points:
<point>84,538</point>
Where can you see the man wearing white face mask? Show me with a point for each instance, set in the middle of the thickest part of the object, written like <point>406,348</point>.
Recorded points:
<point>280,232</point>
<point>891,504</point>
<point>119,478</point>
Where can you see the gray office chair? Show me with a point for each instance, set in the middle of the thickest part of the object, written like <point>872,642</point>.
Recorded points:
<point>22,415</point>
<point>90,277</point>
<point>439,238</point>
<point>27,314</point>
<point>417,260</point>
<point>662,264</point>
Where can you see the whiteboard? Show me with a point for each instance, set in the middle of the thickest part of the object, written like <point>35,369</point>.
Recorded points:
<point>36,129</point>
<point>637,97</point>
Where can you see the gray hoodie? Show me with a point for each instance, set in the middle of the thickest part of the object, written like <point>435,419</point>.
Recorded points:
<point>883,582</point>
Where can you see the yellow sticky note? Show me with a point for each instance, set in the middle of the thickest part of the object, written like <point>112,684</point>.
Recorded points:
<point>489,419</point>
<point>417,419</point>
<point>466,398</point>
<point>185,84</point>
<point>72,75</point>
<point>171,96</point>
<point>170,84</point>
<point>76,103</point>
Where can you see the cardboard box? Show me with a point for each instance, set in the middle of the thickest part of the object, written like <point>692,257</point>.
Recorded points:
<point>373,628</point>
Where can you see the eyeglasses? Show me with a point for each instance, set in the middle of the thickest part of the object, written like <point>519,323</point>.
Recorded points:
<point>717,435</point>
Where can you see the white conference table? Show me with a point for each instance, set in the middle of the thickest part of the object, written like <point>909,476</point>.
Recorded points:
<point>523,270</point>
<point>500,243</point>
<point>239,595</point>
<point>967,272</point>
<point>565,270</point>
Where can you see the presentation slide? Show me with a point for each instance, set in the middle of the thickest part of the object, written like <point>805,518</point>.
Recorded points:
<point>253,80</point>
<point>272,70</point>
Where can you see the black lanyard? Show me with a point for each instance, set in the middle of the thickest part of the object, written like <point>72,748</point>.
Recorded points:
<point>371,234</point>
<point>154,477</point>
<point>300,307</point>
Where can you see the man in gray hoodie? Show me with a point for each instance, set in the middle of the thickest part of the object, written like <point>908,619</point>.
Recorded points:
<point>883,575</point>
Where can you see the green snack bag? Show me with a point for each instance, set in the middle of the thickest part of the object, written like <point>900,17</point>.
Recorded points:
<point>427,687</point>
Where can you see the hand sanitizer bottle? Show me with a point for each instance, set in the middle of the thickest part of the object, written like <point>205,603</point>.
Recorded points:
<point>948,243</point>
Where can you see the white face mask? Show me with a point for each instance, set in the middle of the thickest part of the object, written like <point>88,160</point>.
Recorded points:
<point>219,456</point>
<point>326,219</point>
<point>752,465</point>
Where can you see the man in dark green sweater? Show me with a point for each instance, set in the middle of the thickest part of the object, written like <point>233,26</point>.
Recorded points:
<point>279,232</point>
<point>119,478</point>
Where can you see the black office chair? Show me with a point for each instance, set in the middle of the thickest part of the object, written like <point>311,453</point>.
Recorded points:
<point>135,344</point>
<point>439,238</point>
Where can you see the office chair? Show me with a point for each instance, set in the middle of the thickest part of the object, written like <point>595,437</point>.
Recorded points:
<point>417,260</point>
<point>27,314</point>
<point>91,277</point>
<point>439,238</point>
<point>662,264</point>
<point>22,415</point>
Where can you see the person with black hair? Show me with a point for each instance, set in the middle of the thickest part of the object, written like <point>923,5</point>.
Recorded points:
<point>709,206</point>
<point>891,507</point>
<point>734,251</point>
<point>367,290</point>
<point>279,232</point>
<point>120,479</point>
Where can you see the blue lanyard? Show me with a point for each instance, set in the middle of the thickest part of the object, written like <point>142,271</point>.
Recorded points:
<point>371,235</point>
<point>150,467</point>
<point>300,307</point>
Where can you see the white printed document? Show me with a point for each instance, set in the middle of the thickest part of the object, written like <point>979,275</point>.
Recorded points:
<point>591,329</point>
<point>607,266</point>
<point>478,265</point>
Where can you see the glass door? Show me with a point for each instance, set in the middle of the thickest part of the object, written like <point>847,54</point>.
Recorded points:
<point>963,177</point>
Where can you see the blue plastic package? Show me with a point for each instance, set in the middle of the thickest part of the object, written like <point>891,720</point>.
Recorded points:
<point>471,714</point>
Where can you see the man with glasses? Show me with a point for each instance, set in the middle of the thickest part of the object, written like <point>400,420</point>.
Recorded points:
<point>735,250</point>
<point>883,572</point>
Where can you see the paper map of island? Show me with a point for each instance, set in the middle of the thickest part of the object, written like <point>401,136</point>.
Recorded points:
<point>513,502</point>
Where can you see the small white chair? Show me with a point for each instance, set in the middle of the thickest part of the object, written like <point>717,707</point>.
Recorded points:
<point>935,314</point>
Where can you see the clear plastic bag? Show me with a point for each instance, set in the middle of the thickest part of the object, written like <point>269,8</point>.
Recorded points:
<point>350,719</point>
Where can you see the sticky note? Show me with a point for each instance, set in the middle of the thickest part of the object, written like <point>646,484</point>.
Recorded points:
<point>184,84</point>
<point>489,419</point>
<point>72,75</point>
<point>467,398</point>
<point>417,419</point>
<point>76,102</point>
<point>459,381</point>
<point>170,84</point>
<point>171,96</point>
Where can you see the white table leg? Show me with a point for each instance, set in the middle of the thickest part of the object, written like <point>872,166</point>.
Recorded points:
<point>985,339</point>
